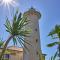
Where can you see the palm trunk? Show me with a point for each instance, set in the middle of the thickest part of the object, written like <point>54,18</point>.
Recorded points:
<point>8,40</point>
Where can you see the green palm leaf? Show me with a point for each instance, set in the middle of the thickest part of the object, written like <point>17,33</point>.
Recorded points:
<point>55,55</point>
<point>8,26</point>
<point>53,44</point>
<point>22,43</point>
<point>55,31</point>
<point>19,16</point>
<point>22,39</point>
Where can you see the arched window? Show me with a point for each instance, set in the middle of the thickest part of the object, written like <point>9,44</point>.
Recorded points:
<point>6,56</point>
<point>37,53</point>
<point>36,40</point>
<point>36,29</point>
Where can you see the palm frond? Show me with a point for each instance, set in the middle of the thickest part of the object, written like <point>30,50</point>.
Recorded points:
<point>8,26</point>
<point>23,22</point>
<point>51,33</point>
<point>52,58</point>
<point>23,44</point>
<point>56,30</point>
<point>55,55</point>
<point>15,17</point>
<point>22,39</point>
<point>19,16</point>
<point>53,44</point>
<point>54,37</point>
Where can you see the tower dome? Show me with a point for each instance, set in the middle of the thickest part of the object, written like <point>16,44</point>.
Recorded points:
<point>32,11</point>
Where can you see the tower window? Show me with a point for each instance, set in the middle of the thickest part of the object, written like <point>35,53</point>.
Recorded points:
<point>37,53</point>
<point>36,40</point>
<point>36,29</point>
<point>6,56</point>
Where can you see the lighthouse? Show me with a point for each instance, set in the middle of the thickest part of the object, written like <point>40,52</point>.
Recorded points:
<point>34,38</point>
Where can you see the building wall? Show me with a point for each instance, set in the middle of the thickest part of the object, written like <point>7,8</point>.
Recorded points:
<point>15,54</point>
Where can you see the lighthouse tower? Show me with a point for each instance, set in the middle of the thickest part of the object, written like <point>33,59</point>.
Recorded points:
<point>34,38</point>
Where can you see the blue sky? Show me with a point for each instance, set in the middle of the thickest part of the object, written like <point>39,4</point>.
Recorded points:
<point>50,11</point>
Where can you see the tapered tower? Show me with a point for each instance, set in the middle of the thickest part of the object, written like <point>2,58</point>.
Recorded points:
<point>34,38</point>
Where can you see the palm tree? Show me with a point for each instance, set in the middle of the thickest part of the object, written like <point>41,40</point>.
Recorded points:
<point>55,34</point>
<point>16,30</point>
